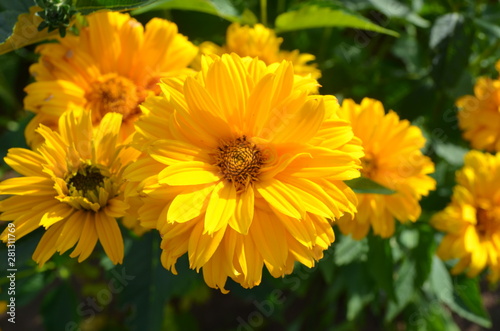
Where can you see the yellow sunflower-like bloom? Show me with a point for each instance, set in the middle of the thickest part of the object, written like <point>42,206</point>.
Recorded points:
<point>72,186</point>
<point>479,115</point>
<point>392,159</point>
<point>249,170</point>
<point>472,220</point>
<point>259,41</point>
<point>112,66</point>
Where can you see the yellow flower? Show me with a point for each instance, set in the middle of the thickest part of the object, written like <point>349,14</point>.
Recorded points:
<point>112,66</point>
<point>472,220</point>
<point>479,115</point>
<point>250,167</point>
<point>259,41</point>
<point>392,159</point>
<point>72,186</point>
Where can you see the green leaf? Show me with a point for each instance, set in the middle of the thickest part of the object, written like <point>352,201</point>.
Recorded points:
<point>89,6</point>
<point>451,39</point>
<point>220,8</point>
<point>380,265</point>
<point>469,297</point>
<point>423,255</point>
<point>452,153</point>
<point>471,309</point>
<point>404,289</point>
<point>59,307</point>
<point>366,185</point>
<point>312,16</point>
<point>348,250</point>
<point>393,8</point>
<point>359,289</point>
<point>487,26</point>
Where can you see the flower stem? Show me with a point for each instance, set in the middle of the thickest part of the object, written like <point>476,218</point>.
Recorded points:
<point>263,12</point>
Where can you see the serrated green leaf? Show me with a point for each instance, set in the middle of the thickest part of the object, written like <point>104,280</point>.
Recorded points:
<point>220,8</point>
<point>366,185</point>
<point>443,287</point>
<point>311,16</point>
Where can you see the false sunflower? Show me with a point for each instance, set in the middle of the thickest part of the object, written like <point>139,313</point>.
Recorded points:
<point>72,186</point>
<point>392,159</point>
<point>259,41</point>
<point>246,169</point>
<point>479,114</point>
<point>112,66</point>
<point>471,221</point>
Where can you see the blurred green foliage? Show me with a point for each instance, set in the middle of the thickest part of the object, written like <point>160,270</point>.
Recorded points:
<point>372,284</point>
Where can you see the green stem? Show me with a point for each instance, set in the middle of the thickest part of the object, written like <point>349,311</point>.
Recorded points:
<point>281,6</point>
<point>263,12</point>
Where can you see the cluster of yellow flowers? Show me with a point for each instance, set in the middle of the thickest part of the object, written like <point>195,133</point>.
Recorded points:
<point>239,163</point>
<point>472,219</point>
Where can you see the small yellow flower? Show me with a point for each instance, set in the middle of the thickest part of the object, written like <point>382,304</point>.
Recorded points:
<point>112,66</point>
<point>72,186</point>
<point>244,170</point>
<point>479,115</point>
<point>471,221</point>
<point>259,41</point>
<point>392,159</point>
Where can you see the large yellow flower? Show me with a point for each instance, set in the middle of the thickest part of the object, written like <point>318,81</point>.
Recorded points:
<point>259,41</point>
<point>249,170</point>
<point>112,66</point>
<point>72,186</point>
<point>479,115</point>
<point>392,159</point>
<point>472,220</point>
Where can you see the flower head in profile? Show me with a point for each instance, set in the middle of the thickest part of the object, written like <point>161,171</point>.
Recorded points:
<point>249,167</point>
<point>479,114</point>
<point>72,186</point>
<point>471,222</point>
<point>110,67</point>
<point>259,41</point>
<point>392,159</point>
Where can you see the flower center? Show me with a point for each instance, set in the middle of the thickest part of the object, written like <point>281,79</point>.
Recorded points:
<point>483,222</point>
<point>114,94</point>
<point>369,166</point>
<point>86,183</point>
<point>240,162</point>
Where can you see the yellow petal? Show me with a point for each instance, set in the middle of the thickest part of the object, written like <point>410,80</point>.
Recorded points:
<point>110,237</point>
<point>188,173</point>
<point>221,207</point>
<point>189,205</point>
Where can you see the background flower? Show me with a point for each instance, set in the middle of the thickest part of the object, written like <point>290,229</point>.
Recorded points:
<point>393,159</point>
<point>72,186</point>
<point>471,221</point>
<point>111,66</point>
<point>259,41</point>
<point>479,115</point>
